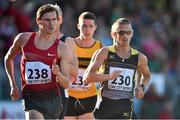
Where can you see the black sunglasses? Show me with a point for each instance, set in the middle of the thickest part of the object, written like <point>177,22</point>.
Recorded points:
<point>125,32</point>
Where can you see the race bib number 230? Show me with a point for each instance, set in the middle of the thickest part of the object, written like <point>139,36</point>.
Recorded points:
<point>125,80</point>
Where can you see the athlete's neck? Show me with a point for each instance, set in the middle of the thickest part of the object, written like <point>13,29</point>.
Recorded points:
<point>85,39</point>
<point>84,42</point>
<point>123,51</point>
<point>46,37</point>
<point>59,34</point>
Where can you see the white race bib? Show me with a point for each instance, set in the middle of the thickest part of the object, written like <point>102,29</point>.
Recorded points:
<point>37,73</point>
<point>79,85</point>
<point>125,80</point>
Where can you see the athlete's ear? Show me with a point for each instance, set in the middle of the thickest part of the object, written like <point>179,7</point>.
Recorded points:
<point>132,34</point>
<point>38,21</point>
<point>113,34</point>
<point>60,19</point>
<point>78,26</point>
<point>95,27</point>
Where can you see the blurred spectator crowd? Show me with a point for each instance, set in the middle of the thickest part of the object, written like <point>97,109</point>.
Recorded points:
<point>156,25</point>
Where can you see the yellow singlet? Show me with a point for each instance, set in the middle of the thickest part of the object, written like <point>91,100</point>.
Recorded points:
<point>78,89</point>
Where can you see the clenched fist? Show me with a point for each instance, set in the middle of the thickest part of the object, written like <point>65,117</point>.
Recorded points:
<point>138,92</point>
<point>55,67</point>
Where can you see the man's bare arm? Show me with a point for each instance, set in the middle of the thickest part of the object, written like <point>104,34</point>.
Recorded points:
<point>144,69</point>
<point>19,41</point>
<point>62,73</point>
<point>143,76</point>
<point>73,60</point>
<point>97,60</point>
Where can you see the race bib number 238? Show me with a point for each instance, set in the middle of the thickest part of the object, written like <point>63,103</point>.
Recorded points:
<point>37,73</point>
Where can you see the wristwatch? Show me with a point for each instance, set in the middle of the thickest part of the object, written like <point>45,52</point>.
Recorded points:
<point>143,87</point>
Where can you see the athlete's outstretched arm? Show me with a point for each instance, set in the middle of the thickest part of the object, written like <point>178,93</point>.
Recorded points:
<point>97,60</point>
<point>62,73</point>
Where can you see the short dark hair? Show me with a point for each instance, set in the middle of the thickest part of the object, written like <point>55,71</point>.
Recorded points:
<point>123,21</point>
<point>120,21</point>
<point>44,9</point>
<point>87,15</point>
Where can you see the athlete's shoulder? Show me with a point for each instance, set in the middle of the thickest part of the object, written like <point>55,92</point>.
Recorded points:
<point>22,38</point>
<point>69,40</point>
<point>63,50</point>
<point>104,49</point>
<point>102,53</point>
<point>99,42</point>
<point>134,51</point>
<point>62,46</point>
<point>142,58</point>
<point>24,35</point>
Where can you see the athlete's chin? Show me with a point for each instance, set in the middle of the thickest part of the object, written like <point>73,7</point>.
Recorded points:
<point>124,44</point>
<point>50,32</point>
<point>88,37</point>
